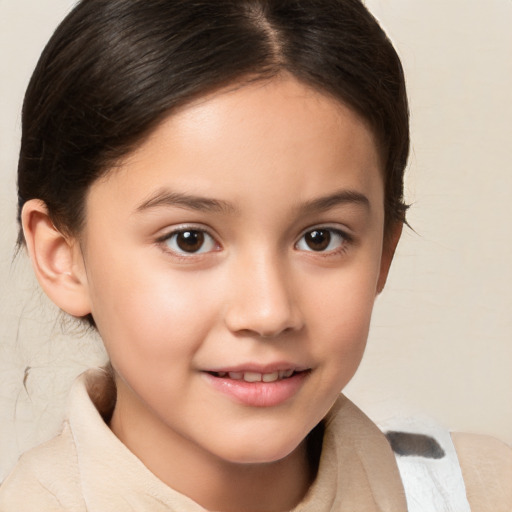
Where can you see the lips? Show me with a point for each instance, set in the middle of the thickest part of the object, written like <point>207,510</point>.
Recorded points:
<point>258,387</point>
<point>251,376</point>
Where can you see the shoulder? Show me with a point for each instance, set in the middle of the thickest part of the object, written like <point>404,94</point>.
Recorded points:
<point>486,465</point>
<point>45,479</point>
<point>357,463</point>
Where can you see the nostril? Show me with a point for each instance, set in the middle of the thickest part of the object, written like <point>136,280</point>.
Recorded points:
<point>270,335</point>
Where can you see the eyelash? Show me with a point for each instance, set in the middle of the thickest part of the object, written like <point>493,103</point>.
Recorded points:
<point>344,240</point>
<point>171,237</point>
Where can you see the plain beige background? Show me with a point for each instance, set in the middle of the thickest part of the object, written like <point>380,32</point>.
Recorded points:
<point>441,342</point>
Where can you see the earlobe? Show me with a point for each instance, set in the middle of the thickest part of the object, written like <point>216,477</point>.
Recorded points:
<point>56,259</point>
<point>388,251</point>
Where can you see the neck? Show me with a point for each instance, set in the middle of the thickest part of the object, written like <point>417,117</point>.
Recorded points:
<point>210,481</point>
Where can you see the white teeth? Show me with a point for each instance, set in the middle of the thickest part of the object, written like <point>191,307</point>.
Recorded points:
<point>257,377</point>
<point>252,377</point>
<point>270,377</point>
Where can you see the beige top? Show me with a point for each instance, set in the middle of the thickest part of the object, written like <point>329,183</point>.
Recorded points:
<point>86,468</point>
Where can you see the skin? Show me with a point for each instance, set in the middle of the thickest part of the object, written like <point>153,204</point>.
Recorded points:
<point>254,294</point>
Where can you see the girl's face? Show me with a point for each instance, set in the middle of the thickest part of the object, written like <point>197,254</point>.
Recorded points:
<point>231,266</point>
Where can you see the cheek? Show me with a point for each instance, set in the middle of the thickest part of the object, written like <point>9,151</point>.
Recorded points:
<point>340,312</point>
<point>150,313</point>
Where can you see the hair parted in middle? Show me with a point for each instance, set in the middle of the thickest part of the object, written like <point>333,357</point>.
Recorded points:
<point>114,69</point>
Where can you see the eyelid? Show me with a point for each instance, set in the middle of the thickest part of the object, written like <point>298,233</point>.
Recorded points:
<point>347,237</point>
<point>180,228</point>
<point>343,230</point>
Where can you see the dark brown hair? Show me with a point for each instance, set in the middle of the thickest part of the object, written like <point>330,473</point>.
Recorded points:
<point>115,68</point>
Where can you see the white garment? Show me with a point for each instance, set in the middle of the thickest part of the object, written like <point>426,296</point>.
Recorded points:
<point>432,481</point>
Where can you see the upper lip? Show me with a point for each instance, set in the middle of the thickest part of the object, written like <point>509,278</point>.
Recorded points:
<point>259,368</point>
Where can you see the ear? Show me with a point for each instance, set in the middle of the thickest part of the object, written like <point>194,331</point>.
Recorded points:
<point>388,251</point>
<point>57,260</point>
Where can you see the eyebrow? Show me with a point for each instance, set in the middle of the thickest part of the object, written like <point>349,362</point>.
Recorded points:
<point>342,197</point>
<point>167,198</point>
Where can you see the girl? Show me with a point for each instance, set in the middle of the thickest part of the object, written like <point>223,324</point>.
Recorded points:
<point>216,187</point>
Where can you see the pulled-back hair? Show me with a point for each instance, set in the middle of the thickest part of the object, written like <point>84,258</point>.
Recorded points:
<point>114,69</point>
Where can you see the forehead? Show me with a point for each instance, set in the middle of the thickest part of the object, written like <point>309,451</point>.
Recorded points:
<point>256,141</point>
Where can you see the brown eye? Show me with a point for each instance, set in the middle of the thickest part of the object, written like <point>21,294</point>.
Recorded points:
<point>190,241</point>
<point>322,240</point>
<point>318,240</point>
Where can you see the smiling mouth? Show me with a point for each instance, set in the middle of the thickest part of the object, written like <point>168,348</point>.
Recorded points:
<point>257,377</point>
<point>268,387</point>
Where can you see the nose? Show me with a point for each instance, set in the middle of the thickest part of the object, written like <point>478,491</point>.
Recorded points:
<point>262,301</point>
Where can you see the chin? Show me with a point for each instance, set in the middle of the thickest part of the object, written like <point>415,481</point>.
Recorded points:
<point>265,451</point>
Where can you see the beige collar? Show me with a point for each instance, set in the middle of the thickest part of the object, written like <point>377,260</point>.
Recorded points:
<point>357,469</point>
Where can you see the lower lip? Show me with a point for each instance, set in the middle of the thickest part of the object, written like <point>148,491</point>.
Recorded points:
<point>259,394</point>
